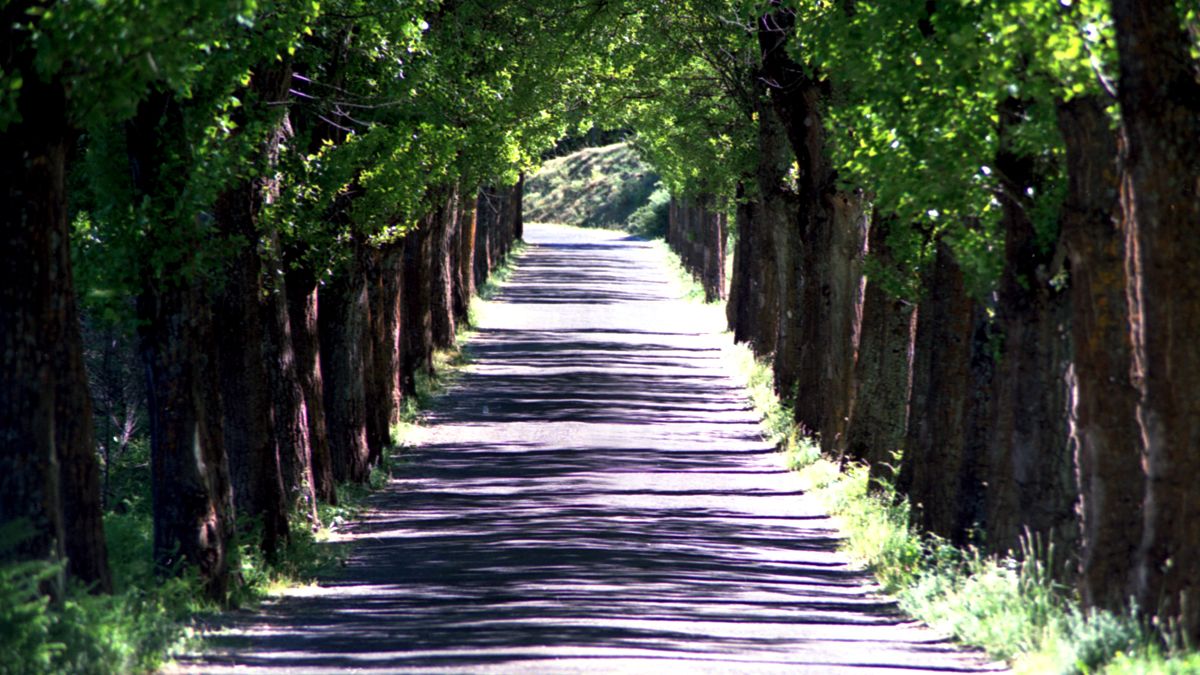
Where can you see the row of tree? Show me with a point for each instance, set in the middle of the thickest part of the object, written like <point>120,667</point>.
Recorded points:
<point>964,233</point>
<point>259,190</point>
<point>696,231</point>
<point>286,205</point>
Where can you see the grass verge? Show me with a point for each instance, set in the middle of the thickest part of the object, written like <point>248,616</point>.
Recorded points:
<point>1009,606</point>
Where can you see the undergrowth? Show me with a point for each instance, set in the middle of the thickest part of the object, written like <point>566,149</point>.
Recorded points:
<point>1009,606</point>
<point>132,630</point>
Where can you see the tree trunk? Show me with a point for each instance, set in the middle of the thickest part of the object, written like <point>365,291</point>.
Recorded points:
<point>743,290</point>
<point>33,317</point>
<point>979,416</point>
<point>392,305</point>
<point>289,414</point>
<point>343,323</point>
<point>417,322</point>
<point>518,212</point>
<point>245,385</point>
<point>881,373</point>
<point>511,223</point>
<point>379,374</point>
<point>191,491</point>
<point>292,436</point>
<point>1104,416</point>
<point>776,231</point>
<point>696,233</point>
<point>1160,106</point>
<point>801,359</point>
<point>844,284</point>
<point>291,428</point>
<point>487,215</point>
<point>715,232</point>
<point>1032,488</point>
<point>83,524</point>
<point>932,458</point>
<point>464,286</point>
<point>302,297</point>
<point>441,237</point>
<point>47,444</point>
<point>79,478</point>
<point>496,235</point>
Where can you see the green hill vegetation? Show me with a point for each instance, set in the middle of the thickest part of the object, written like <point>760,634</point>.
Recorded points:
<point>608,187</point>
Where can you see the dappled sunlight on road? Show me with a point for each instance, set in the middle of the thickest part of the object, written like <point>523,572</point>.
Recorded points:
<point>592,496</point>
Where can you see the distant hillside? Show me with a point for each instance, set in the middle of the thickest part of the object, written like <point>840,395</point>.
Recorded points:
<point>597,187</point>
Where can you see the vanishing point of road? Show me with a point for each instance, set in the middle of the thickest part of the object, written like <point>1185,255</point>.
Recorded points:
<point>593,495</point>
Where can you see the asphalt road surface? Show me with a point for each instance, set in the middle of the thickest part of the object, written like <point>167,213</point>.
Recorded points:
<point>592,496</point>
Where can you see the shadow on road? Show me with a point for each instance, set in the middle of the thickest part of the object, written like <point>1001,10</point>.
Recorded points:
<point>594,497</point>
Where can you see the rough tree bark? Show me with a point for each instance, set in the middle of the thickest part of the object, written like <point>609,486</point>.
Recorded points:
<point>244,348</point>
<point>48,471</point>
<point>511,222</point>
<point>487,216</point>
<point>801,360</point>
<point>876,428</point>
<point>1032,485</point>
<point>343,323</point>
<point>742,286</point>
<point>1160,106</point>
<point>192,497</point>
<point>696,233</point>
<point>242,373</point>
<point>932,457</point>
<point>392,305</point>
<point>33,227</point>
<point>518,213</point>
<point>291,432</point>
<point>417,323</point>
<point>191,489</point>
<point>979,416</point>
<point>464,284</point>
<point>1104,417</point>
<point>315,125</point>
<point>379,376</point>
<point>498,224</point>
<point>843,295</point>
<point>716,231</point>
<point>300,286</point>
<point>442,269</point>
<point>83,527</point>
<point>775,231</point>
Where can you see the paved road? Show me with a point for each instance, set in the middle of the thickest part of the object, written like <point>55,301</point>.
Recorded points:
<point>592,496</point>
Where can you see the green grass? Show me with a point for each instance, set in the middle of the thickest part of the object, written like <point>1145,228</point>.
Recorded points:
<point>1008,606</point>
